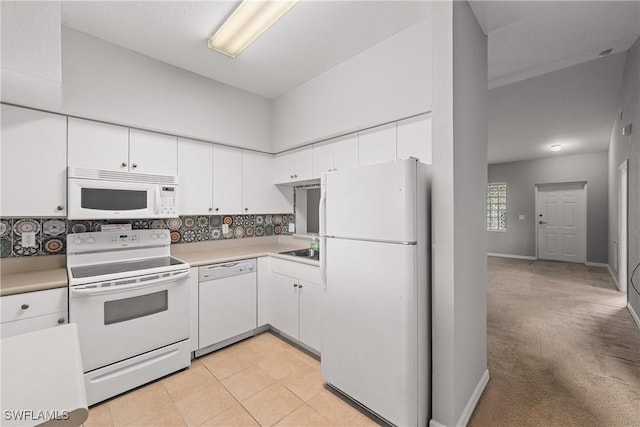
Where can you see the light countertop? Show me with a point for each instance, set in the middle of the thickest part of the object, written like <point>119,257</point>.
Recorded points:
<point>30,274</point>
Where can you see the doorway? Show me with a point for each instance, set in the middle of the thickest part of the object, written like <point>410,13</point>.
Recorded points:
<point>623,199</point>
<point>561,211</point>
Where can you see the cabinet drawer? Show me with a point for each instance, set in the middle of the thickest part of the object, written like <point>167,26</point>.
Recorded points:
<point>281,266</point>
<point>17,327</point>
<point>296,270</point>
<point>32,304</point>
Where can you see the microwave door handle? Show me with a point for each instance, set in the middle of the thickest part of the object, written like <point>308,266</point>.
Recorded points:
<point>157,200</point>
<point>85,292</point>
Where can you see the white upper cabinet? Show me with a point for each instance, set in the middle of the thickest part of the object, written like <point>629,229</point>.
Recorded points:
<point>227,180</point>
<point>377,145</point>
<point>152,153</point>
<point>109,147</point>
<point>34,163</point>
<point>195,177</point>
<point>293,166</point>
<point>336,154</point>
<point>256,190</point>
<point>414,138</point>
<point>98,145</point>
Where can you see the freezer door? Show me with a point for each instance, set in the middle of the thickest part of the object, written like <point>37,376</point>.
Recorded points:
<point>372,203</point>
<point>370,327</point>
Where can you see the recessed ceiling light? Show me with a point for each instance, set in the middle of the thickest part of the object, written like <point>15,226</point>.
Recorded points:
<point>250,19</point>
<point>605,52</point>
<point>556,147</point>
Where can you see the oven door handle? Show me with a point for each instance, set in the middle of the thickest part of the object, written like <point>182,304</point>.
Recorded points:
<point>85,292</point>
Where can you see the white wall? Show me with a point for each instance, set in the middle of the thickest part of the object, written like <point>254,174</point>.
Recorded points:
<point>459,345</point>
<point>31,46</point>
<point>105,82</point>
<point>621,148</point>
<point>389,81</point>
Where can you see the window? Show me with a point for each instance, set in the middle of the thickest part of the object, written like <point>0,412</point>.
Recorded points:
<point>497,207</point>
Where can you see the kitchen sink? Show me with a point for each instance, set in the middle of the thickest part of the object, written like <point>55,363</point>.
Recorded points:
<point>304,253</point>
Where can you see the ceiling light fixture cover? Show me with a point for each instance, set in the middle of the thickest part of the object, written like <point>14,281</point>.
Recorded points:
<point>556,147</point>
<point>250,19</point>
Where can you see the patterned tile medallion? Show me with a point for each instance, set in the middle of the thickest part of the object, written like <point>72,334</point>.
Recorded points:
<point>54,227</point>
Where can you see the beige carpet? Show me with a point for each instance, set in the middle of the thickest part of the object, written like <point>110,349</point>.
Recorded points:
<point>563,349</point>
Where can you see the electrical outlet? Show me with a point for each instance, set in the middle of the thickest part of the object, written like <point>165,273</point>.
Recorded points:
<point>29,239</point>
<point>521,217</point>
<point>225,228</point>
<point>292,227</point>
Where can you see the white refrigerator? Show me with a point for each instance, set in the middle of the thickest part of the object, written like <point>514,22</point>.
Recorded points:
<point>375,265</point>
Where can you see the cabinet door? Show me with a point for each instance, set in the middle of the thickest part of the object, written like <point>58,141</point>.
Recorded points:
<point>345,153</point>
<point>310,314</point>
<point>303,161</point>
<point>283,303</point>
<point>195,177</point>
<point>34,163</point>
<point>256,190</point>
<point>414,139</point>
<point>227,180</point>
<point>152,153</point>
<point>283,166</point>
<point>98,145</point>
<point>322,155</point>
<point>377,145</point>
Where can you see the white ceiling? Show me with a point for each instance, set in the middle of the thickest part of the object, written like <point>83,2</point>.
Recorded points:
<point>531,105</point>
<point>311,38</point>
<point>529,38</point>
<point>575,107</point>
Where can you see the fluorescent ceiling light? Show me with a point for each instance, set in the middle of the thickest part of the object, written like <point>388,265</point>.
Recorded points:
<point>250,19</point>
<point>556,147</point>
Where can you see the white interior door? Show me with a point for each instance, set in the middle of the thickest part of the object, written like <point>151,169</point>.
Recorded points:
<point>622,227</point>
<point>562,222</point>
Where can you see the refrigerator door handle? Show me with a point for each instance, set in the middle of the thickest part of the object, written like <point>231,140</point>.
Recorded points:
<point>323,242</point>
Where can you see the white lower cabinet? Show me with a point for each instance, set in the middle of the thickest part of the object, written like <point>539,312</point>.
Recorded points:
<point>28,312</point>
<point>295,301</point>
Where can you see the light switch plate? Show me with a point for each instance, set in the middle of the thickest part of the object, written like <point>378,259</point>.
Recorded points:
<point>29,239</point>
<point>292,227</point>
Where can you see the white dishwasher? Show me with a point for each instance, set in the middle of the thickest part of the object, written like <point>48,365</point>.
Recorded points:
<point>227,304</point>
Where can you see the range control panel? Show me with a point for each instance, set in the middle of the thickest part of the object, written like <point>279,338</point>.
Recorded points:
<point>96,241</point>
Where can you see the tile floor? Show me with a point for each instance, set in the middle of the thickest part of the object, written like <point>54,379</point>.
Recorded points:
<point>261,381</point>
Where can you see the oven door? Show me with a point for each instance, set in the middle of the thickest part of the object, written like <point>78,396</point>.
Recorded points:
<point>118,322</point>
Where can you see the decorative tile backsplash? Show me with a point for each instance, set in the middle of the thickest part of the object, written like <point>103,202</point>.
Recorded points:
<point>51,233</point>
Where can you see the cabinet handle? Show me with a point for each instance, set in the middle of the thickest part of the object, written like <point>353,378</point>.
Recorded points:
<point>246,209</point>
<point>24,306</point>
<point>295,285</point>
<point>291,176</point>
<point>134,165</point>
<point>295,176</point>
<point>61,321</point>
<point>300,286</point>
<point>60,207</point>
<point>210,209</point>
<point>124,164</point>
<point>217,209</point>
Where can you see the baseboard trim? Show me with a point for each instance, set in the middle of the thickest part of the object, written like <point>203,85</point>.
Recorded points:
<point>532,258</point>
<point>633,314</point>
<point>596,264</point>
<point>473,400</point>
<point>471,404</point>
<point>613,277</point>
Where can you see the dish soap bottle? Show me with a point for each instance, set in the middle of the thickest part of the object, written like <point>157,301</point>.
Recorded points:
<point>315,243</point>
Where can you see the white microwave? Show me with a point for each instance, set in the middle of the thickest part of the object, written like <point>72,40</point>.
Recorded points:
<point>102,194</point>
